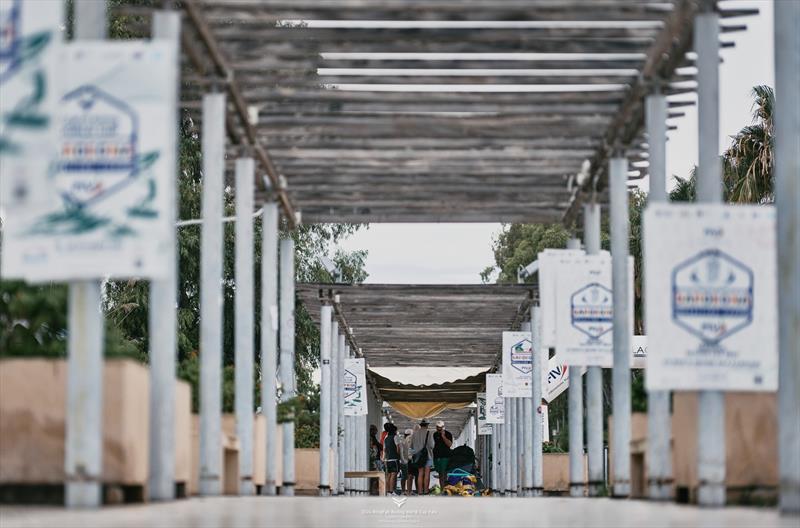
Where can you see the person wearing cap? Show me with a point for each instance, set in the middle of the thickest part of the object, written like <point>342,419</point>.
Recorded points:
<point>422,456</point>
<point>442,441</point>
<point>391,455</point>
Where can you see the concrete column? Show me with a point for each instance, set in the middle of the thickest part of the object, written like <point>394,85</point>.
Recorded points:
<point>269,339</point>
<point>787,200</point>
<point>495,456</point>
<point>575,418</point>
<point>244,323</point>
<point>594,374</point>
<point>520,442</point>
<point>508,472</point>
<point>711,404</point>
<point>334,405</point>
<point>621,374</point>
<point>325,400</point>
<point>527,412</point>
<point>162,324</point>
<point>211,253</point>
<point>287,358</point>
<point>659,422</point>
<point>514,458</point>
<point>540,358</point>
<point>344,447</point>
<point>83,450</point>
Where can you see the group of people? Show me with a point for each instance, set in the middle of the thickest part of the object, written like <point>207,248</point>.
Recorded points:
<point>411,456</point>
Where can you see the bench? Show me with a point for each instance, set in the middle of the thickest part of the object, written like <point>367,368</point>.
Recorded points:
<point>380,475</point>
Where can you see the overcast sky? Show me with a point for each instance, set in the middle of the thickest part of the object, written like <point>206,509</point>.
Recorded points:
<point>457,253</point>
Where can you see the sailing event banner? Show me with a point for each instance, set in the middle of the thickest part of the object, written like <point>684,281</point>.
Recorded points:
<point>354,383</point>
<point>710,294</point>
<point>483,427</point>
<point>30,41</point>
<point>549,260</point>
<point>495,404</point>
<point>111,196</point>
<point>517,364</point>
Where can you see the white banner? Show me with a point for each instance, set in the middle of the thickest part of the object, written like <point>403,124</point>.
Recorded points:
<point>545,423</point>
<point>30,40</point>
<point>483,427</point>
<point>112,200</point>
<point>517,364</point>
<point>495,405</point>
<point>354,383</point>
<point>711,297</point>
<point>548,268</point>
<point>638,352</point>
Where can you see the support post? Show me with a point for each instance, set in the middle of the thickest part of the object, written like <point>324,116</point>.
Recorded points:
<point>269,340</point>
<point>520,442</point>
<point>575,418</point>
<point>211,251</point>
<point>500,465</point>
<point>540,358</point>
<point>162,322</point>
<point>787,199</point>
<point>711,404</point>
<point>334,406</point>
<point>621,373</point>
<point>287,358</point>
<point>344,447</point>
<point>659,422</point>
<point>244,308</point>
<point>325,400</point>
<point>83,450</point>
<point>594,374</point>
<point>526,422</point>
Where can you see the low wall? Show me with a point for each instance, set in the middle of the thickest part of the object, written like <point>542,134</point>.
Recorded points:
<point>555,472</point>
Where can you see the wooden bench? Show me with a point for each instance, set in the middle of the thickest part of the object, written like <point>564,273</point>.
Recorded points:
<point>380,475</point>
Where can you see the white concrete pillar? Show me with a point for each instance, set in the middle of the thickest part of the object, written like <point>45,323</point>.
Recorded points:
<point>211,253</point>
<point>787,200</point>
<point>540,358</point>
<point>325,400</point>
<point>344,446</point>
<point>575,418</point>
<point>594,374</point>
<point>269,339</point>
<point>334,405</point>
<point>287,358</point>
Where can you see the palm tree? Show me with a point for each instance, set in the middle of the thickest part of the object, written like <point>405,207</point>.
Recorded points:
<point>747,162</point>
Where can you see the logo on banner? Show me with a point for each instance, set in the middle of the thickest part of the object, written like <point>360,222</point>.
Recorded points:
<point>557,375</point>
<point>351,386</point>
<point>521,356</point>
<point>592,311</point>
<point>712,296</point>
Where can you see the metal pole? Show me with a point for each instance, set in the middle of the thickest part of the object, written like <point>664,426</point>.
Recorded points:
<point>520,442</point>
<point>507,446</point>
<point>244,307</point>
<point>344,446</point>
<point>269,339</point>
<point>287,358</point>
<point>575,417</point>
<point>83,450</point>
<point>211,252</point>
<point>659,423</point>
<point>594,374</point>
<point>621,373</point>
<point>787,199</point>
<point>539,361</point>
<point>514,459</point>
<point>525,426</point>
<point>163,320</point>
<point>325,400</point>
<point>350,433</point>
<point>711,404</point>
<point>334,406</point>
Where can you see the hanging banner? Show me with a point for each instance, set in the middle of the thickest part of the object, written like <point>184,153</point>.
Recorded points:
<point>545,423</point>
<point>354,382</point>
<point>517,366</point>
<point>710,295</point>
<point>30,40</point>
<point>483,427</point>
<point>112,192</point>
<point>495,405</point>
<point>549,260</point>
<point>638,352</point>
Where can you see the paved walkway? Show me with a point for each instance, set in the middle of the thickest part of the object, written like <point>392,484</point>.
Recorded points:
<point>374,512</point>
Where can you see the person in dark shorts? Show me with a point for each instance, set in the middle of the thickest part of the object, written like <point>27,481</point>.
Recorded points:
<point>442,442</point>
<point>405,458</point>
<point>391,456</point>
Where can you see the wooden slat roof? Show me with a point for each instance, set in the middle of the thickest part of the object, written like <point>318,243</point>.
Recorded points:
<point>504,99</point>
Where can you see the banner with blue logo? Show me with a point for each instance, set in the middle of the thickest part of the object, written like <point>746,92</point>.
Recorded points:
<point>517,365</point>
<point>30,40</point>
<point>710,293</point>
<point>495,403</point>
<point>112,188</point>
<point>354,386</point>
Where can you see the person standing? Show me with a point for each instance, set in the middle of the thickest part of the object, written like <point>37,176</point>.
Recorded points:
<point>375,450</point>
<point>391,456</point>
<point>422,456</point>
<point>442,442</point>
<point>405,458</point>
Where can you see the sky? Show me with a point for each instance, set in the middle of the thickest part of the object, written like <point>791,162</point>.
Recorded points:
<point>457,253</point>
